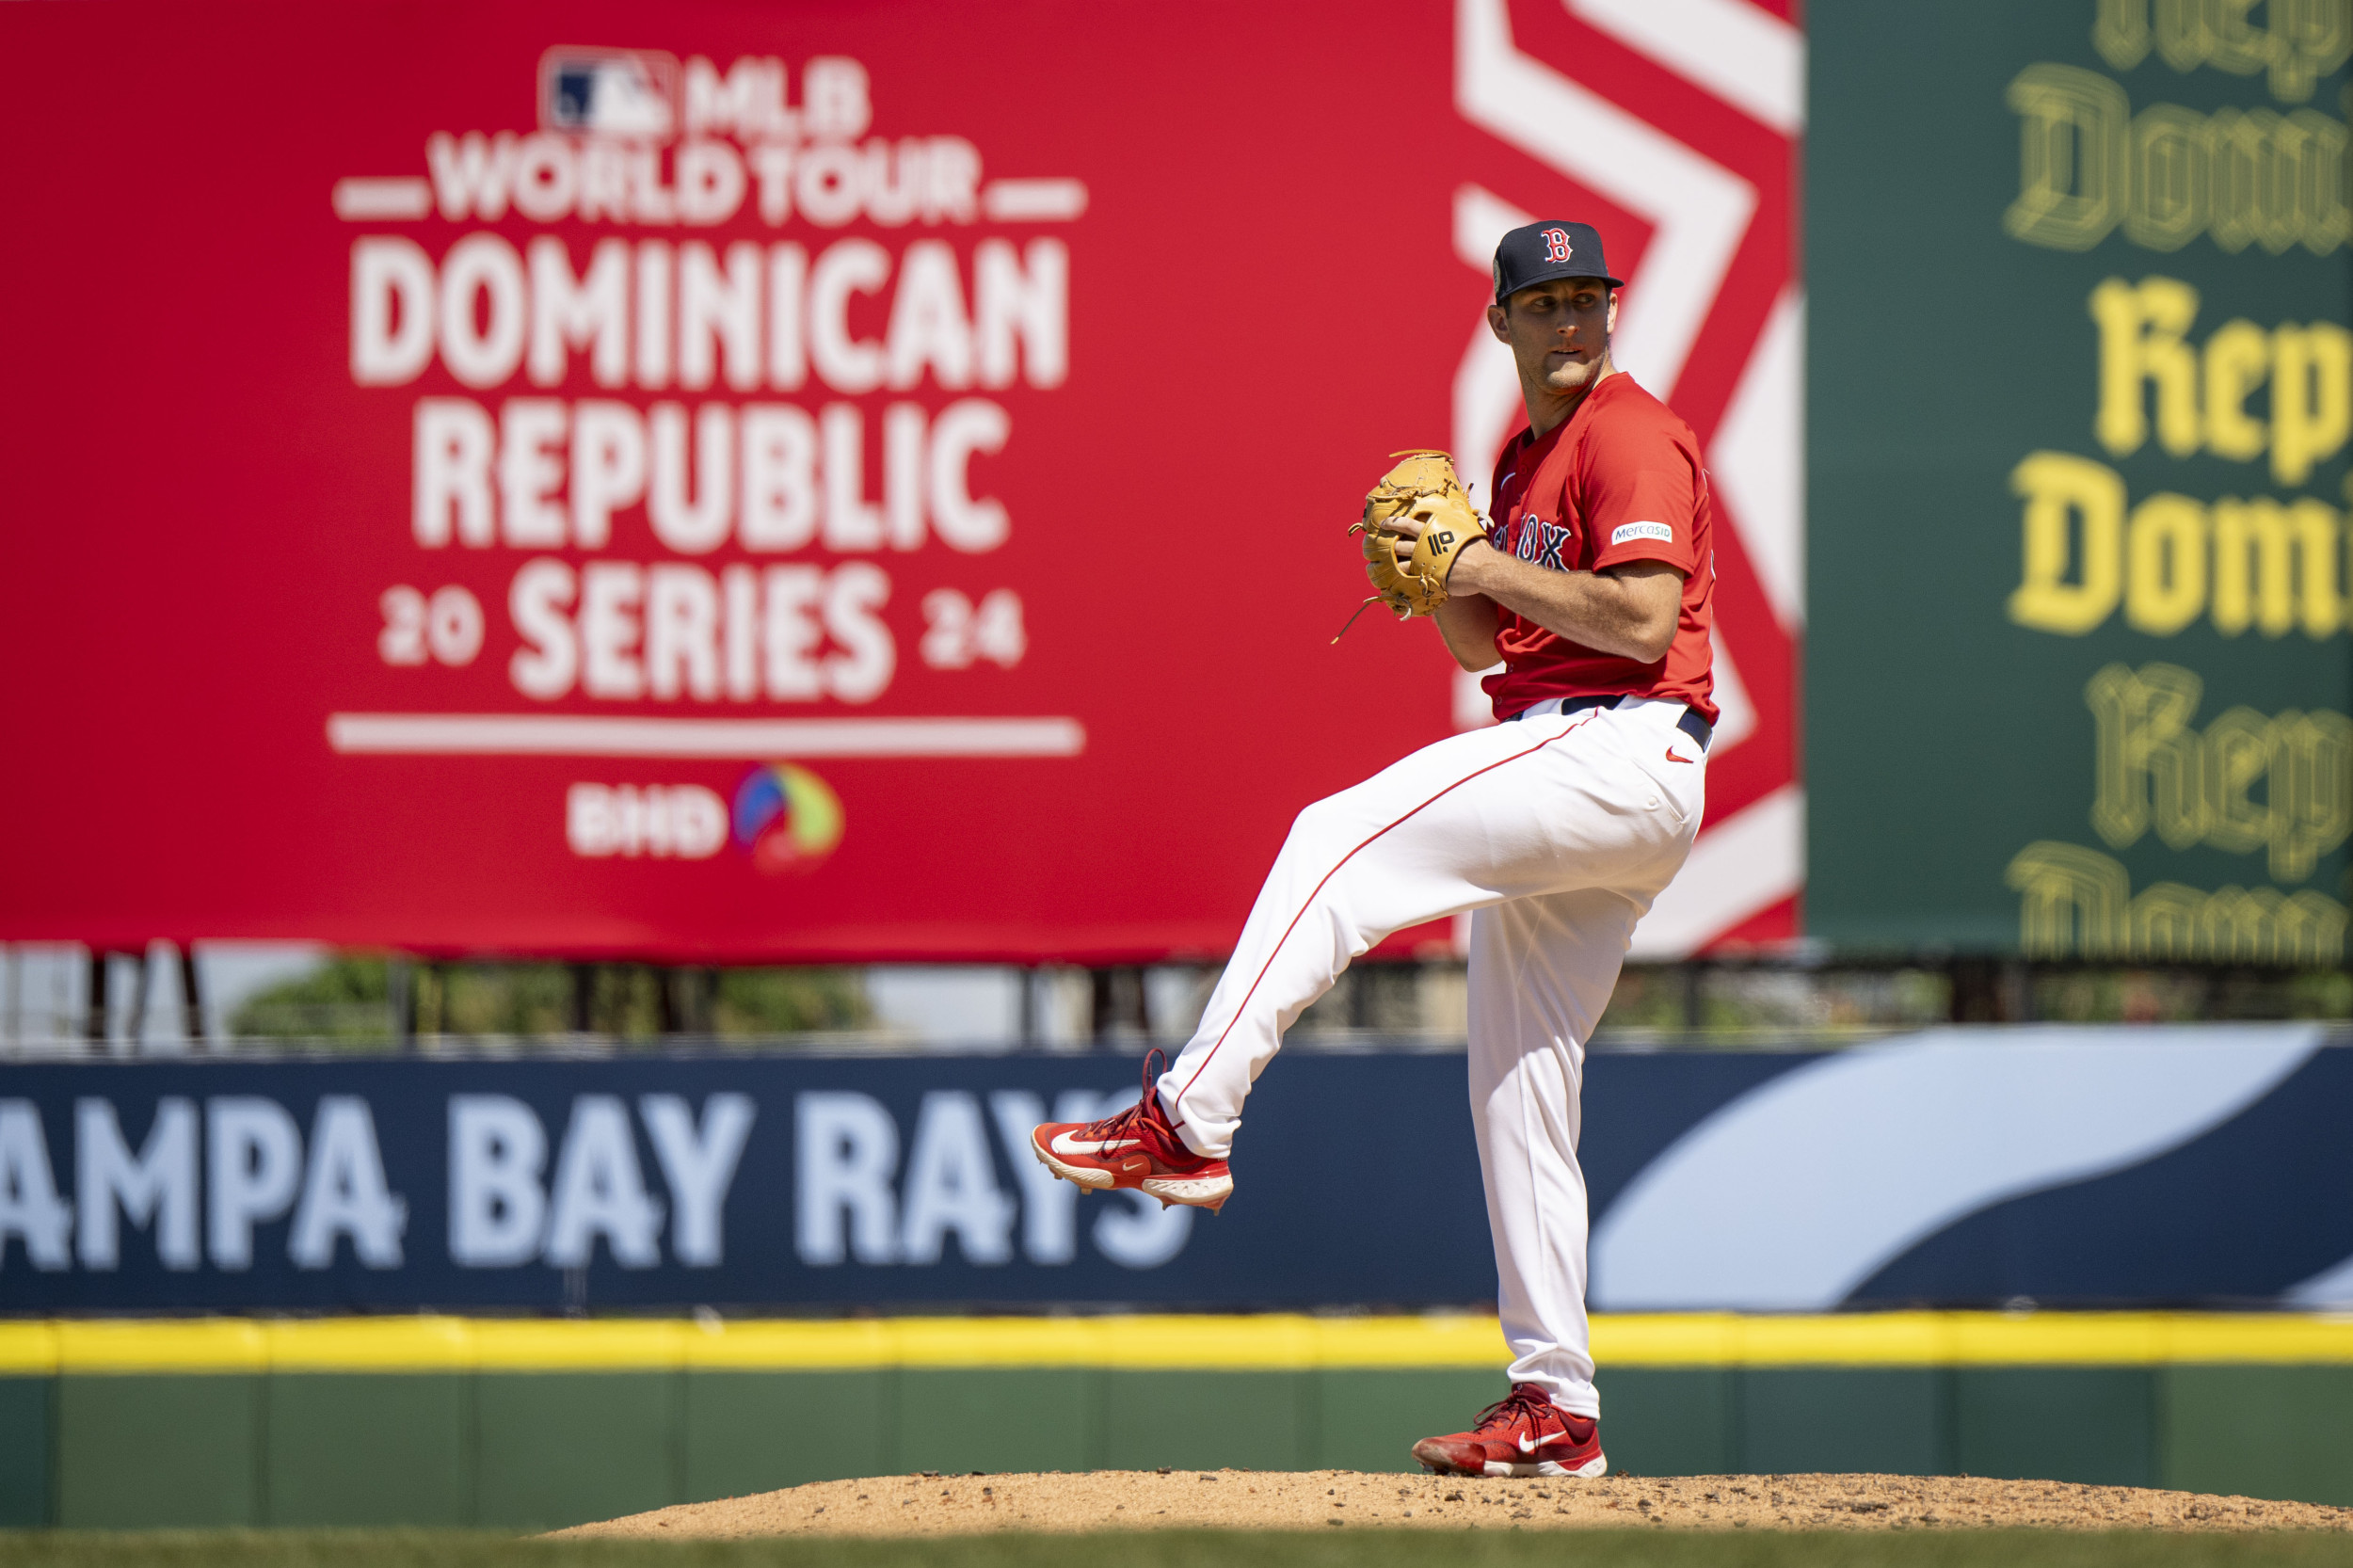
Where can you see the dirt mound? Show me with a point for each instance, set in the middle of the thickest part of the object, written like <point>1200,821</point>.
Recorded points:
<point>930,1504</point>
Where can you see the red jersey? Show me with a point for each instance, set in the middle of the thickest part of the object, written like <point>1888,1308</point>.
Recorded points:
<point>1620,480</point>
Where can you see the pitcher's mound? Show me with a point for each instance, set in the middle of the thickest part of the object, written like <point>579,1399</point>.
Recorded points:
<point>926,1504</point>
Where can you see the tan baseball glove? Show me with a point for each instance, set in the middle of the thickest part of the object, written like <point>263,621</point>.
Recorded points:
<point>1408,574</point>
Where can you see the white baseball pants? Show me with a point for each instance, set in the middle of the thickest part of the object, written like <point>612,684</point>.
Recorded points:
<point>1558,832</point>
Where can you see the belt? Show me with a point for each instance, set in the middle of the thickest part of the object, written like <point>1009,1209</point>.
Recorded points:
<point>1691,723</point>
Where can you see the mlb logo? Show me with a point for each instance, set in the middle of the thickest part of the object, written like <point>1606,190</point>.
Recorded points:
<point>610,92</point>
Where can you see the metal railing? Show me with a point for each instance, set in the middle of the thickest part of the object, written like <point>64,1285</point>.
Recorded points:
<point>64,1003</point>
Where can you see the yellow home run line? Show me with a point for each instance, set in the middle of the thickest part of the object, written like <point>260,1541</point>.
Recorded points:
<point>1271,1342</point>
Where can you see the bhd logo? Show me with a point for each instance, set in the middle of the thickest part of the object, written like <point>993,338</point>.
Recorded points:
<point>613,92</point>
<point>683,822</point>
<point>1557,244</point>
<point>786,817</point>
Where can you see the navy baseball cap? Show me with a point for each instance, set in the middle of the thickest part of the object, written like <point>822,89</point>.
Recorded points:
<point>1539,252</point>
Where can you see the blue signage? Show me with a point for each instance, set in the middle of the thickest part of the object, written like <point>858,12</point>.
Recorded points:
<point>1945,1168</point>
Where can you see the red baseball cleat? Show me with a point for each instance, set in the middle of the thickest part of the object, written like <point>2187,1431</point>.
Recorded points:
<point>1523,1433</point>
<point>1136,1149</point>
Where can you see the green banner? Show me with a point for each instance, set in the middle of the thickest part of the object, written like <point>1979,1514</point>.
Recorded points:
<point>2079,388</point>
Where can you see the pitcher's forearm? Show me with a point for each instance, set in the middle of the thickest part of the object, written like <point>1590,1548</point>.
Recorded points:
<point>1468,624</point>
<point>1630,611</point>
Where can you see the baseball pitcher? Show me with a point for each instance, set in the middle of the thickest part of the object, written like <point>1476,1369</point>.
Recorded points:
<point>1587,593</point>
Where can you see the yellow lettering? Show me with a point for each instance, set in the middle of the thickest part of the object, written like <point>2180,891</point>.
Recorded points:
<point>2320,182</point>
<point>2311,397</point>
<point>2309,40</point>
<point>2147,761</point>
<point>2088,164</point>
<point>2074,157</point>
<point>2078,903</point>
<point>2140,346</point>
<point>2200,396</point>
<point>2322,598</point>
<point>2119,30</point>
<point>2254,566</point>
<point>2258,925</point>
<point>2311,791</point>
<point>2059,489</point>
<point>2165,565</point>
<point>2075,900</point>
<point>2256,179</point>
<point>2183,36</point>
<point>2238,753</point>
<point>2238,357</point>
<point>2299,40</point>
<point>2150,768</point>
<point>2231,44</point>
<point>2163,922</point>
<point>2170,200</point>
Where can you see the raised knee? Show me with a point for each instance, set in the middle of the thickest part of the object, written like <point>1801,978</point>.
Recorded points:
<point>1318,821</point>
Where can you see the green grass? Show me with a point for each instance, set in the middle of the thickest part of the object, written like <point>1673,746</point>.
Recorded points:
<point>1198,1549</point>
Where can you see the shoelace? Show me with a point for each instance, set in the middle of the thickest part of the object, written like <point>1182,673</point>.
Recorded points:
<point>1146,1107</point>
<point>1525,1402</point>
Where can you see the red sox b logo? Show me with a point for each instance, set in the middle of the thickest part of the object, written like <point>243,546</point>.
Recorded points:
<point>1556,244</point>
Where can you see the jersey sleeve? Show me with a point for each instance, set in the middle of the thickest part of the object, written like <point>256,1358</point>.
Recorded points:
<point>1643,491</point>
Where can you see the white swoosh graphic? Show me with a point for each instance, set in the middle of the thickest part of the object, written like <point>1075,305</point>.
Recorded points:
<point>2330,1287</point>
<point>1745,56</point>
<point>1064,1144</point>
<point>1796,1192</point>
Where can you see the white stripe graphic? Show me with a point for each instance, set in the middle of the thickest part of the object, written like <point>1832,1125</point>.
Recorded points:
<point>1798,1192</point>
<point>1749,57</point>
<point>1757,458</point>
<point>1736,715</point>
<point>358,200</point>
<point>1034,201</point>
<point>560,735</point>
<point>1699,210</point>
<point>1487,404</point>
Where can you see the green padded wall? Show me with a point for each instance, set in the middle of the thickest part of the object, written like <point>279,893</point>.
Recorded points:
<point>26,1422</point>
<point>144,1452</point>
<point>527,1450</point>
<point>2261,1431</point>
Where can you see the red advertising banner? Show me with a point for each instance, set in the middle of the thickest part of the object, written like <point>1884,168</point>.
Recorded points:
<point>814,482</point>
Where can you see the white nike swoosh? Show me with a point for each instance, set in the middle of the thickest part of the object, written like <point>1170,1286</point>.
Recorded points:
<point>1064,1144</point>
<point>1529,1446</point>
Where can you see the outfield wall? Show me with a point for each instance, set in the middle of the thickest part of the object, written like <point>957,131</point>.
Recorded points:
<point>524,1424</point>
<point>2080,1167</point>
